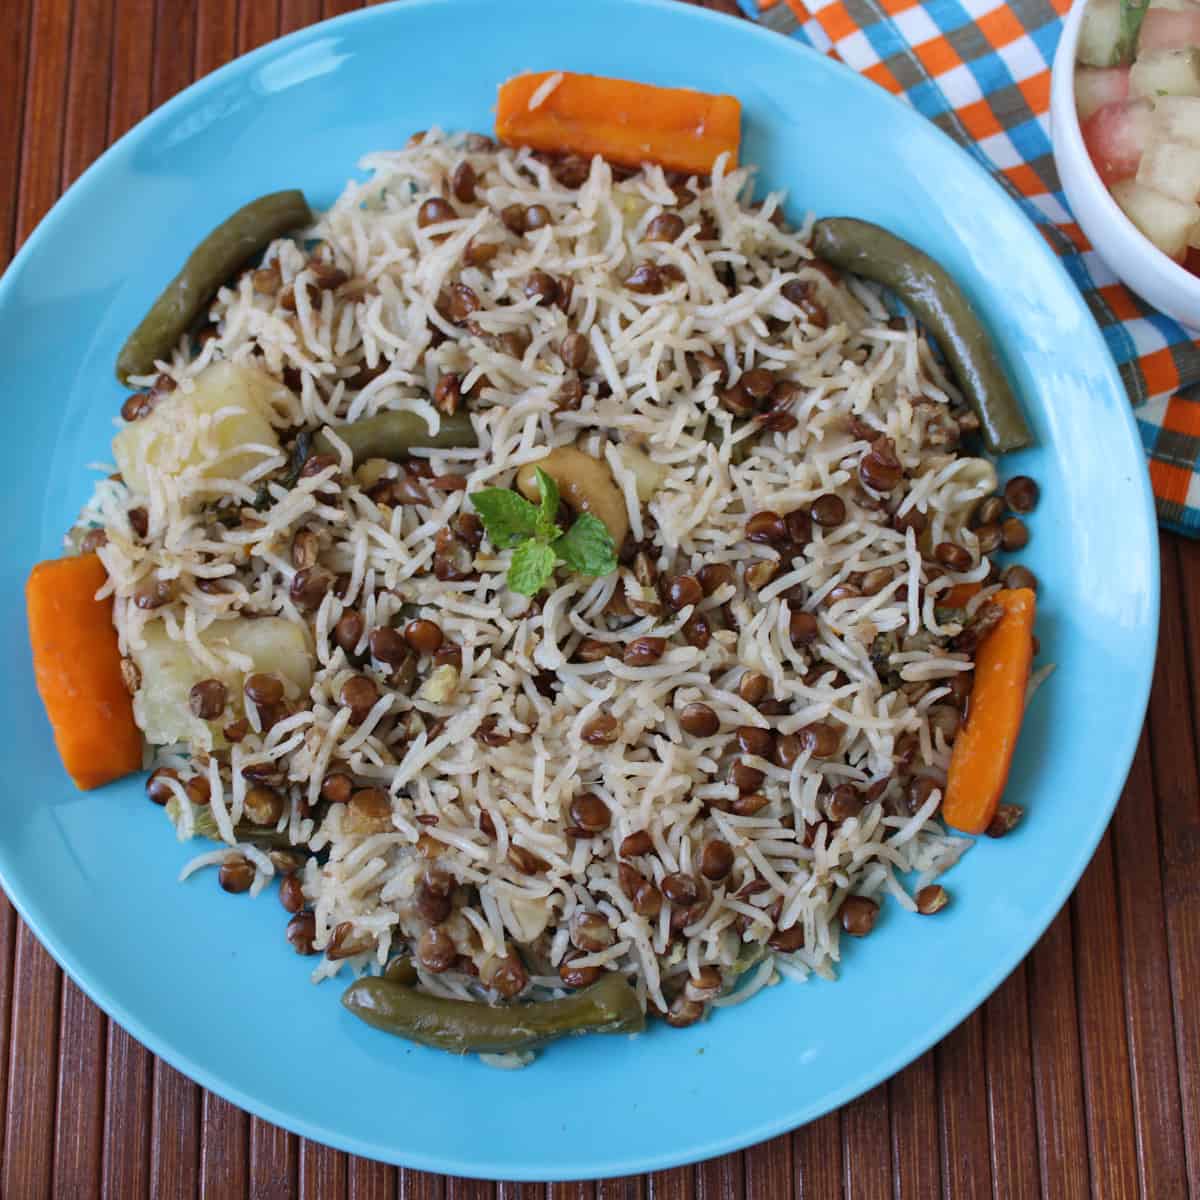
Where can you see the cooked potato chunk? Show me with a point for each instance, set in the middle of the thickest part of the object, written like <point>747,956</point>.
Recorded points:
<point>168,669</point>
<point>221,428</point>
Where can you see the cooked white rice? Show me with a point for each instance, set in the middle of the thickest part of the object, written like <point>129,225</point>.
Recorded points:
<point>878,671</point>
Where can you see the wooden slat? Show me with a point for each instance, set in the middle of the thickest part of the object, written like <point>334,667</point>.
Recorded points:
<point>174,1134</point>
<point>817,1155</point>
<point>679,1184</point>
<point>630,1187</point>
<point>128,1090</point>
<point>1057,1068</point>
<point>1173,750</point>
<point>912,1101</point>
<point>521,1191</point>
<point>420,1185</point>
<point>79,1119</point>
<point>322,1172</point>
<point>274,1161</point>
<point>225,1149</point>
<point>866,1147</point>
<point>571,1191</point>
<point>721,1178</point>
<point>29,1131</point>
<point>1109,1107</point>
<point>1011,1124</point>
<point>369,1180</point>
<point>14,46</point>
<point>962,1116</point>
<point>469,1189</point>
<point>1148,1019</point>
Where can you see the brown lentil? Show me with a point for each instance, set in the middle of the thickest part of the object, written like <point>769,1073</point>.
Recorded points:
<point>291,893</point>
<point>1018,576</point>
<point>749,803</point>
<point>753,739</point>
<point>590,813</point>
<point>666,227</point>
<point>308,587</point>
<point>683,590</point>
<point>507,976</point>
<point>644,651</point>
<point>302,932</point>
<point>680,889</point>
<point>766,528</point>
<point>745,777</point>
<point>590,932</point>
<point>207,699</point>
<point>425,637</point>
<point>434,211</point>
<point>157,788</point>
<point>573,350</point>
<point>716,575</point>
<point>462,182</point>
<point>843,803</point>
<point>683,1012</point>
<point>537,216</point>
<point>828,510</point>
<point>359,695</point>
<point>1021,494</point>
<point>236,874</point>
<point>645,280</point>
<point>388,646</point>
<point>760,573</point>
<point>788,940</point>
<point>1015,534</point>
<point>263,805</point>
<point>513,218</point>
<point>716,860</point>
<point>858,915</point>
<point>820,739</point>
<point>263,688</point>
<point>1007,817</point>
<point>952,556</point>
<point>699,720</point>
<point>436,951</point>
<point>990,538</point>
<point>931,899</point>
<point>540,287</point>
<point>337,788</point>
<point>879,468</point>
<point>577,977</point>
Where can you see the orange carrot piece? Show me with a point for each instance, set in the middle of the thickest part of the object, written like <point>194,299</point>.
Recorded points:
<point>984,747</point>
<point>77,664</point>
<point>625,122</point>
<point>958,595</point>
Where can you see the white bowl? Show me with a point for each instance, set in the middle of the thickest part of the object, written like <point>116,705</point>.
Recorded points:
<point>1141,265</point>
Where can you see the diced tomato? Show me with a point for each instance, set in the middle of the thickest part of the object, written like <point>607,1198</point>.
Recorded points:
<point>1163,29</point>
<point>1097,86</point>
<point>1115,137</point>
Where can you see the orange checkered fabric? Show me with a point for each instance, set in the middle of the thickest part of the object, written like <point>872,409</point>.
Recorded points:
<point>980,70</point>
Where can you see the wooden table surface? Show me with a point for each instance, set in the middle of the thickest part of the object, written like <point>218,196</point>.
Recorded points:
<point>1080,1076</point>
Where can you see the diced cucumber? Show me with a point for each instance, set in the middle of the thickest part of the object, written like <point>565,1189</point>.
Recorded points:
<point>1166,73</point>
<point>1167,222</point>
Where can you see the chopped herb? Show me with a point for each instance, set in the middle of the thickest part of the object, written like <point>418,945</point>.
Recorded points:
<point>540,545</point>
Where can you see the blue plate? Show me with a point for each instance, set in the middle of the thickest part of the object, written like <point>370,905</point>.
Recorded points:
<point>207,980</point>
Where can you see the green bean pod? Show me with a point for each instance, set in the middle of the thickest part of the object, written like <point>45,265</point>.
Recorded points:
<point>463,1027</point>
<point>394,435</point>
<point>940,305</point>
<point>214,262</point>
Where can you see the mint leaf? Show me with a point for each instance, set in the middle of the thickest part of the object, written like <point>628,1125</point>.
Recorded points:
<point>506,516</point>
<point>587,547</point>
<point>532,564</point>
<point>548,490</point>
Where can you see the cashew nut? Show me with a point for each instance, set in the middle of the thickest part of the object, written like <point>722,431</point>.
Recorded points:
<point>585,484</point>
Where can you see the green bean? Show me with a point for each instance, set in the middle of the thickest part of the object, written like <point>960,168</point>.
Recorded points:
<point>940,305</point>
<point>462,1026</point>
<point>229,247</point>
<point>394,435</point>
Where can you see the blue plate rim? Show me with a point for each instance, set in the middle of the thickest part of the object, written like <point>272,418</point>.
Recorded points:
<point>111,1004</point>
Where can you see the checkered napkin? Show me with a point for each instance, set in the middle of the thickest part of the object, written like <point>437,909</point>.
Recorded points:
<point>980,70</point>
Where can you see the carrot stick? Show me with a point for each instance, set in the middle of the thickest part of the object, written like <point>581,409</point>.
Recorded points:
<point>958,595</point>
<point>984,747</point>
<point>624,122</point>
<point>77,664</point>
